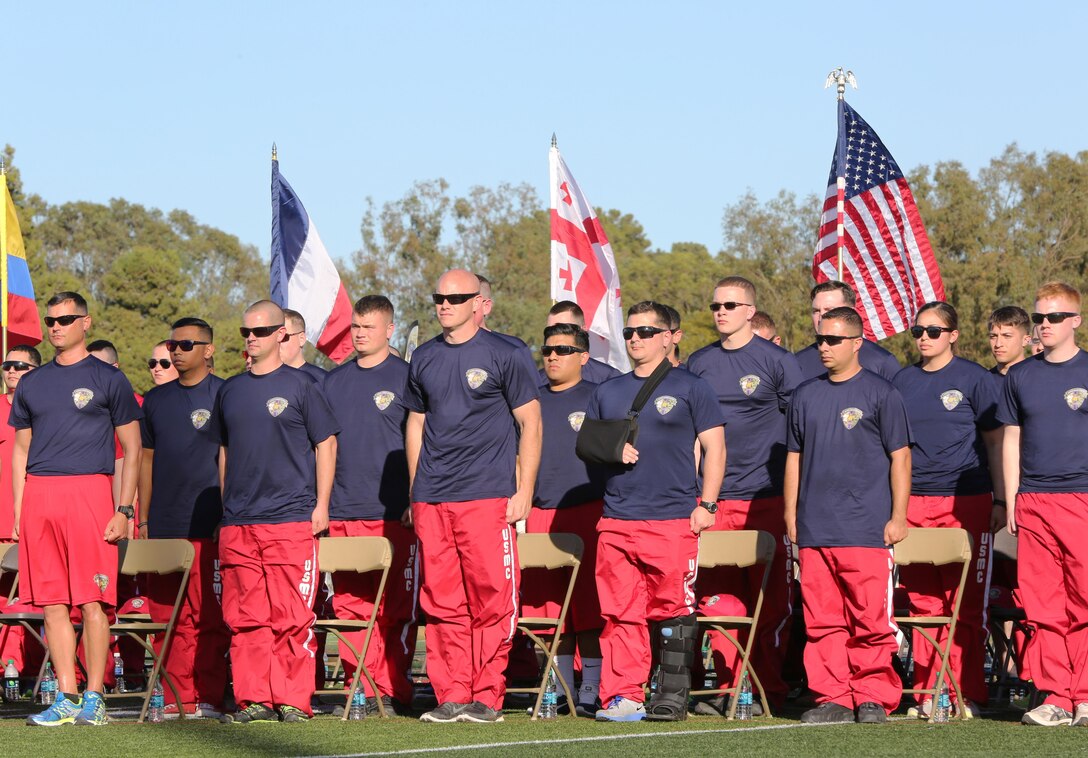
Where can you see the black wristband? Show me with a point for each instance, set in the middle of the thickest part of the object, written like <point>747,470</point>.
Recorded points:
<point>999,503</point>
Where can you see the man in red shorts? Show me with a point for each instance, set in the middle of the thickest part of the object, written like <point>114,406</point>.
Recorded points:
<point>65,416</point>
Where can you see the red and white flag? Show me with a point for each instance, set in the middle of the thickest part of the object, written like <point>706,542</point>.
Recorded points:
<point>871,217</point>
<point>583,268</point>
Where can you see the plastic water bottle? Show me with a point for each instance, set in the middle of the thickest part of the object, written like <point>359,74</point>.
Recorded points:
<point>48,690</point>
<point>357,712</point>
<point>744,699</point>
<point>549,706</point>
<point>942,709</point>
<point>119,673</point>
<point>156,709</point>
<point>11,681</point>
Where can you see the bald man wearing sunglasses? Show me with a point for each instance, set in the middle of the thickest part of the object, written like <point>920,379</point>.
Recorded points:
<point>277,459</point>
<point>847,486</point>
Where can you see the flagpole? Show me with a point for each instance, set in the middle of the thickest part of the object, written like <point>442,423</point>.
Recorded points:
<point>840,79</point>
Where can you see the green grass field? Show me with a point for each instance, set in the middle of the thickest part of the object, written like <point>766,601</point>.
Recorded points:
<point>996,734</point>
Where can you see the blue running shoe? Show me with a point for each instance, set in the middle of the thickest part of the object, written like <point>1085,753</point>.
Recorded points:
<point>62,711</point>
<point>93,712</point>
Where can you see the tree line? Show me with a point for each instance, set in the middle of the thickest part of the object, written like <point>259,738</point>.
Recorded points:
<point>1020,221</point>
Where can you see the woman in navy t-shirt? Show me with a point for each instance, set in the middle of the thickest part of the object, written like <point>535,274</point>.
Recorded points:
<point>951,403</point>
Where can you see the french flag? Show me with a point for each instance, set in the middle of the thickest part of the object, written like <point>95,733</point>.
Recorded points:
<point>303,275</point>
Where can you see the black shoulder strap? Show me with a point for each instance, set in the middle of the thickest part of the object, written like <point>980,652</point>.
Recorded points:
<point>647,389</point>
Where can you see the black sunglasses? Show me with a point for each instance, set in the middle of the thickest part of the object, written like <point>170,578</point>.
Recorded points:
<point>16,365</point>
<point>1054,318</point>
<point>715,307</point>
<point>160,362</point>
<point>834,339</point>
<point>67,320</point>
<point>933,332</point>
<point>454,299</point>
<point>643,332</point>
<point>560,350</point>
<point>184,345</point>
<point>259,331</point>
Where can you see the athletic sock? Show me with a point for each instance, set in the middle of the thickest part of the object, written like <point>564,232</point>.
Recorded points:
<point>591,680</point>
<point>566,668</point>
<point>72,697</point>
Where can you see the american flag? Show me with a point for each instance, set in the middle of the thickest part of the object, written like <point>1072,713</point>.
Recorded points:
<point>870,212</point>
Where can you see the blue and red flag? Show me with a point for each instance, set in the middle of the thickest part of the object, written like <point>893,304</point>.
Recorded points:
<point>303,274</point>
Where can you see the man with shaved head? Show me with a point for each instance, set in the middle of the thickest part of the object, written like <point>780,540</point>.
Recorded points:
<point>277,457</point>
<point>474,412</point>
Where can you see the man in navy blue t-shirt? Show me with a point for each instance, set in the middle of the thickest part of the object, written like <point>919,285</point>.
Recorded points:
<point>65,415</point>
<point>467,389</point>
<point>828,295</point>
<point>568,498</point>
<point>370,499</point>
<point>569,312</point>
<point>753,379</point>
<point>291,347</point>
<point>648,545</point>
<point>1046,485</point>
<point>180,498</point>
<point>846,491</point>
<point>277,459</point>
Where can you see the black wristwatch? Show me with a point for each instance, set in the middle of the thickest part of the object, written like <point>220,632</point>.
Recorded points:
<point>710,505</point>
<point>128,510</point>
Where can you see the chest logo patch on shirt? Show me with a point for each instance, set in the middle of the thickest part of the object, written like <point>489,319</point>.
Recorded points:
<point>200,417</point>
<point>748,384</point>
<point>664,404</point>
<point>1074,398</point>
<point>575,419</point>
<point>475,377</point>
<point>81,397</point>
<point>383,399</point>
<point>951,399</point>
<point>851,416</point>
<point>276,406</point>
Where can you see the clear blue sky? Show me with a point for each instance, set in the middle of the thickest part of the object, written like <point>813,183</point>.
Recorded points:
<point>666,111</point>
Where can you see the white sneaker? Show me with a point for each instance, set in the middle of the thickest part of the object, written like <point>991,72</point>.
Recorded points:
<point>1047,715</point>
<point>1081,716</point>
<point>622,709</point>
<point>205,711</point>
<point>923,711</point>
<point>972,711</point>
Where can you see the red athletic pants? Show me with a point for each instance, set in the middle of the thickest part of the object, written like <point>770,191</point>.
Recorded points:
<point>197,661</point>
<point>645,572</point>
<point>932,592</point>
<point>769,650</point>
<point>470,596</point>
<point>270,577</point>
<point>846,594</point>
<point>393,643</point>
<point>1053,575</point>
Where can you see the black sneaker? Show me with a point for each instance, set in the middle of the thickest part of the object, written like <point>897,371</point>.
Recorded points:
<point>446,713</point>
<point>393,707</point>
<point>588,710</point>
<point>289,714</point>
<point>871,713</point>
<point>254,712</point>
<point>828,713</point>
<point>715,706</point>
<point>478,713</point>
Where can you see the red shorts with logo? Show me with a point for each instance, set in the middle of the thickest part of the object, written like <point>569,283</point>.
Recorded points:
<point>542,592</point>
<point>63,559</point>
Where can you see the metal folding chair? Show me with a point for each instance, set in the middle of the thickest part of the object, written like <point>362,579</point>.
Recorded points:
<point>360,555</point>
<point>738,549</point>
<point>31,622</point>
<point>936,547</point>
<point>553,552</point>
<point>1002,645</point>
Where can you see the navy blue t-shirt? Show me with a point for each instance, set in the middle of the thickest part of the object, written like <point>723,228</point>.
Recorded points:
<point>663,485</point>
<point>753,385</point>
<point>948,409</point>
<point>185,497</point>
<point>872,356</point>
<point>594,371</point>
<point>269,424</point>
<point>564,479</point>
<point>1047,401</point>
<point>467,392</point>
<point>72,411</point>
<point>846,432</point>
<point>371,465</point>
<point>317,373</point>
